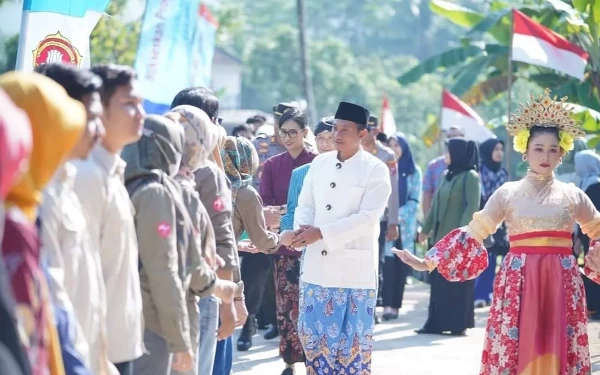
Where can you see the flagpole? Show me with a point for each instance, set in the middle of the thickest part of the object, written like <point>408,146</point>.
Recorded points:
<point>509,81</point>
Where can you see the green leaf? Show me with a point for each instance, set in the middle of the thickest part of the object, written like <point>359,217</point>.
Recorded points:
<point>486,90</point>
<point>450,58</point>
<point>594,143</point>
<point>580,5</point>
<point>595,11</point>
<point>469,74</point>
<point>457,14</point>
<point>492,24</point>
<point>590,119</point>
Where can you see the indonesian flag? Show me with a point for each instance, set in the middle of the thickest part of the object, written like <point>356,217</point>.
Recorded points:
<point>387,124</point>
<point>535,44</point>
<point>456,113</point>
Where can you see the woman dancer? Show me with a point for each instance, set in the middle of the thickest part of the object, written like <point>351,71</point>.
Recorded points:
<point>537,322</point>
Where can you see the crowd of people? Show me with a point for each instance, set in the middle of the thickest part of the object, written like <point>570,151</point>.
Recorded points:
<point>135,243</point>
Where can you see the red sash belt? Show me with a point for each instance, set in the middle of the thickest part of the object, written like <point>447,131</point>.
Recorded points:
<point>543,242</point>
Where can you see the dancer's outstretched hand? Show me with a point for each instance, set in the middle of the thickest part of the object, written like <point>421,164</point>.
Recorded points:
<point>412,260</point>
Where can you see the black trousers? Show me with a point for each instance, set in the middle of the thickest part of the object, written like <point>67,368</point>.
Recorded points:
<point>259,286</point>
<point>394,280</point>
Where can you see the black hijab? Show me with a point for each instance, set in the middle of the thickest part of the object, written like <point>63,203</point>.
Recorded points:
<point>463,156</point>
<point>486,149</point>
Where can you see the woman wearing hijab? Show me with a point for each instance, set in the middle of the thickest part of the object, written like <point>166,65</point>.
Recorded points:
<point>152,162</point>
<point>240,161</point>
<point>15,149</point>
<point>451,306</point>
<point>409,194</point>
<point>57,123</point>
<point>492,177</point>
<point>587,166</point>
<point>200,138</point>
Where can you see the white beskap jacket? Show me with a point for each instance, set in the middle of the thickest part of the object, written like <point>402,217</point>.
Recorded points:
<point>345,200</point>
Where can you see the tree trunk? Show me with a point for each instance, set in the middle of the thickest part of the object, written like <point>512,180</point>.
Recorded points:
<point>306,76</point>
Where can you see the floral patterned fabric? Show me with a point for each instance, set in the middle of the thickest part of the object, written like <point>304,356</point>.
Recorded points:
<point>286,271</point>
<point>458,256</point>
<point>537,322</point>
<point>336,329</point>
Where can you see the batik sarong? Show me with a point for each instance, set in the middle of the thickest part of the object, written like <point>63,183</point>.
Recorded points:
<point>286,271</point>
<point>336,329</point>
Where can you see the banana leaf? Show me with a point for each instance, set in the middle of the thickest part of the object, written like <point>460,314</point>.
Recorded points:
<point>447,59</point>
<point>486,91</point>
<point>468,75</point>
<point>496,25</point>
<point>590,119</point>
<point>457,14</point>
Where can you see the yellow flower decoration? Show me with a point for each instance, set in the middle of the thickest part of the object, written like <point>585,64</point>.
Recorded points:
<point>567,142</point>
<point>520,141</point>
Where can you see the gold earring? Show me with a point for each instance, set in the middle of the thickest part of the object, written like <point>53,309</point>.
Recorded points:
<point>524,157</point>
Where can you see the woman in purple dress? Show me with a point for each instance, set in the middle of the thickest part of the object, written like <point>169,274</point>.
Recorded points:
<point>274,185</point>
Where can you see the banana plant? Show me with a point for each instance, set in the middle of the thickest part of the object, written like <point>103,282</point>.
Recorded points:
<point>479,67</point>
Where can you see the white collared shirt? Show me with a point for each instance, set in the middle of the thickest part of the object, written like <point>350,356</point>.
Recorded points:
<point>75,276</point>
<point>345,200</point>
<point>109,212</point>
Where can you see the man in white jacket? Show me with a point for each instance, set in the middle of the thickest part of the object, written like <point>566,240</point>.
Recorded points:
<point>342,200</point>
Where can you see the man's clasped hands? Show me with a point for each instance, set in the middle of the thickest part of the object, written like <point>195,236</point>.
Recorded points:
<point>296,239</point>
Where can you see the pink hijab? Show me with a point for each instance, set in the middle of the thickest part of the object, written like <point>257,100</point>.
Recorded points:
<point>15,143</point>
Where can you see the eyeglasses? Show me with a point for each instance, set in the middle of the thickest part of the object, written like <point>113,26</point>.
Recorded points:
<point>292,133</point>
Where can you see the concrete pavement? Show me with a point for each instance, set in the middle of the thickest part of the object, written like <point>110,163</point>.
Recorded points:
<point>400,351</point>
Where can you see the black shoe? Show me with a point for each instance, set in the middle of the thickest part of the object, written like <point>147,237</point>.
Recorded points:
<point>458,333</point>
<point>272,332</point>
<point>425,331</point>
<point>288,371</point>
<point>390,316</point>
<point>244,342</point>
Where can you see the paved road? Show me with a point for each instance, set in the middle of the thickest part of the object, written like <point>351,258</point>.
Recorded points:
<point>399,351</point>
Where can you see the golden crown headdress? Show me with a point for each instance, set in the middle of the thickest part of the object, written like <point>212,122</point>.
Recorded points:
<point>545,112</point>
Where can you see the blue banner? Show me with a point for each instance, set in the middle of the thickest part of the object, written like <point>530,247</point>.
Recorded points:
<point>175,51</point>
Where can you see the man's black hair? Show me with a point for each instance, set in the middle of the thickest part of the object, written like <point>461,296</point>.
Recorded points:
<point>113,76</point>
<point>240,129</point>
<point>382,137</point>
<point>77,82</point>
<point>295,114</point>
<point>256,120</point>
<point>199,97</point>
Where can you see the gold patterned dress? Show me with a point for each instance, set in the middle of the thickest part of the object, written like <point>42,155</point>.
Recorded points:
<point>537,323</point>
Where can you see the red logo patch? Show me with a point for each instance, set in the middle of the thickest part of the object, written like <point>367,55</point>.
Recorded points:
<point>218,204</point>
<point>164,229</point>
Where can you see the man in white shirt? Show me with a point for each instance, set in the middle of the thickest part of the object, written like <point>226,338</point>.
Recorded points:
<point>75,274</point>
<point>99,185</point>
<point>343,197</point>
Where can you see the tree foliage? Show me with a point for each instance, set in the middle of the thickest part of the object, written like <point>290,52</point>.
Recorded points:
<point>113,41</point>
<point>356,48</point>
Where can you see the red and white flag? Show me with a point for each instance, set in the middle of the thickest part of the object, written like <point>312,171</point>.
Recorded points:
<point>456,113</point>
<point>387,124</point>
<point>535,44</point>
